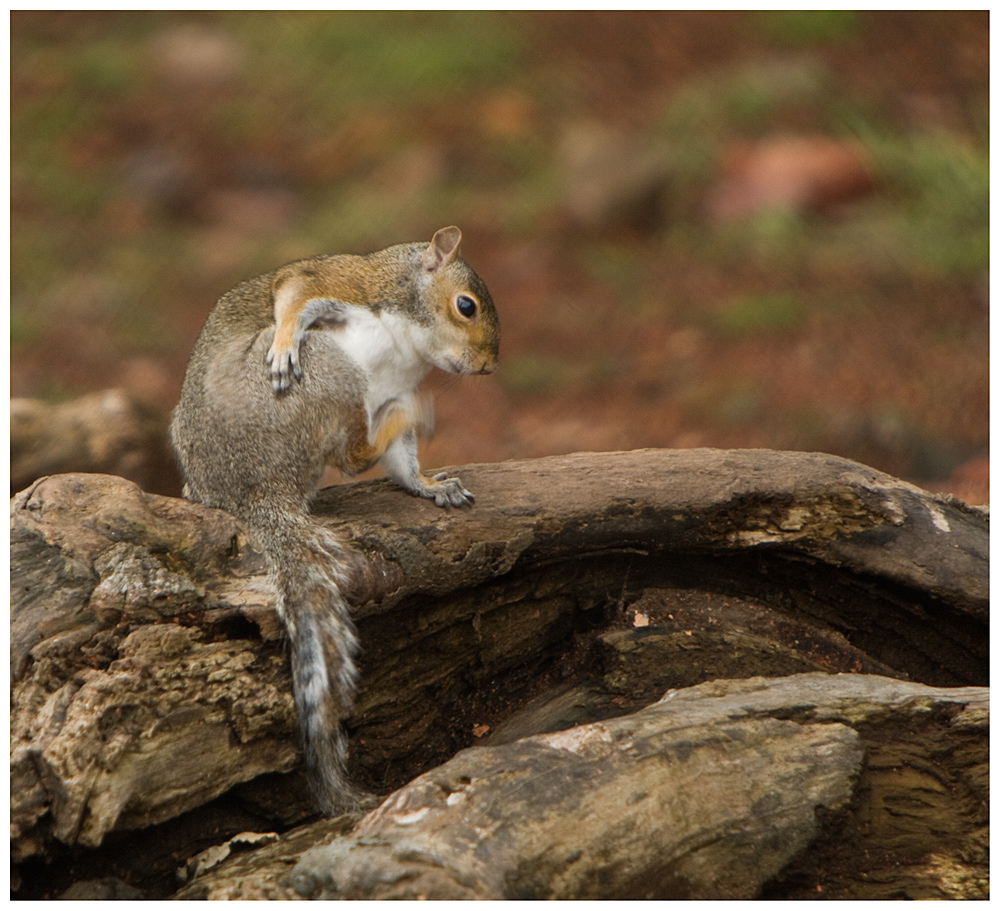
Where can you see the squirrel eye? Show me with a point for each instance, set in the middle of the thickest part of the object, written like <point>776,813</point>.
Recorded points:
<point>465,305</point>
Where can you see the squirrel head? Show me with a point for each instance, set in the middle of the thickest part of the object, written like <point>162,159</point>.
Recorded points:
<point>466,325</point>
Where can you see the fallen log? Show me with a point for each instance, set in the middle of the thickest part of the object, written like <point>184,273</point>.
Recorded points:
<point>708,793</point>
<point>150,677</point>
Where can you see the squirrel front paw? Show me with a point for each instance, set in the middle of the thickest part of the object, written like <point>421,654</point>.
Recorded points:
<point>445,491</point>
<point>283,364</point>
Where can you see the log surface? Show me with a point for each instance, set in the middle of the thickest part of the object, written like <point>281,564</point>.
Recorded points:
<point>708,793</point>
<point>150,677</point>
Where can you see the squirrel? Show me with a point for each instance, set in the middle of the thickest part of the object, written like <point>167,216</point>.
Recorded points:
<point>316,364</point>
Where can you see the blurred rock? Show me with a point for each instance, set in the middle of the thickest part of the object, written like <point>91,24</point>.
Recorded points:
<point>196,55</point>
<point>105,432</point>
<point>612,179</point>
<point>789,173</point>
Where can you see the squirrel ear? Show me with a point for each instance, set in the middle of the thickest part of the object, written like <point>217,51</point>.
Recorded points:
<point>443,248</point>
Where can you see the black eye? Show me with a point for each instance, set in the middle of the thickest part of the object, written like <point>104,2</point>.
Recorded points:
<point>465,305</point>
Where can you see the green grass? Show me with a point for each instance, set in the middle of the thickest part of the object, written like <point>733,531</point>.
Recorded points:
<point>25,329</point>
<point>759,314</point>
<point>748,99</point>
<point>532,373</point>
<point>620,268</point>
<point>332,62</point>
<point>803,28</point>
<point>938,221</point>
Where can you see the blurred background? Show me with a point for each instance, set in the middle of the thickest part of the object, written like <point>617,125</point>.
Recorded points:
<point>727,229</point>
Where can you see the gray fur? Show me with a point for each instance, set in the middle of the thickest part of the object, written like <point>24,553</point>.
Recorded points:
<point>236,466</point>
<point>260,451</point>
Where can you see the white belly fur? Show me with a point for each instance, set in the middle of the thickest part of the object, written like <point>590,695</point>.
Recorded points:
<point>386,348</point>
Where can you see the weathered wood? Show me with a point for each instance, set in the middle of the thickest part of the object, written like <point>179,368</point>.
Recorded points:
<point>707,794</point>
<point>150,675</point>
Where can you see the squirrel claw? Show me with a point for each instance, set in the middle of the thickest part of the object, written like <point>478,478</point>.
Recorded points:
<point>284,367</point>
<point>445,492</point>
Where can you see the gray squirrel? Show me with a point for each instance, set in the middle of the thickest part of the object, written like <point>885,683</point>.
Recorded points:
<point>312,365</point>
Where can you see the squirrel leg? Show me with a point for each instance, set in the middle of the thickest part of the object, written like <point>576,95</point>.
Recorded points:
<point>401,464</point>
<point>394,419</point>
<point>296,308</point>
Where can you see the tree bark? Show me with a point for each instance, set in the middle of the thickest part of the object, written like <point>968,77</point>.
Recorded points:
<point>150,676</point>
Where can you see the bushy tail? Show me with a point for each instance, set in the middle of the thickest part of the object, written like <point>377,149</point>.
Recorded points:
<point>306,567</point>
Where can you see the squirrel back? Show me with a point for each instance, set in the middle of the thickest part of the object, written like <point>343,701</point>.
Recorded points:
<point>312,365</point>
